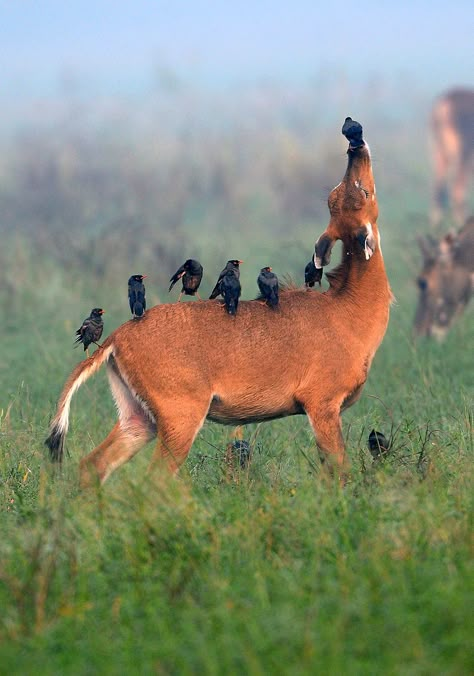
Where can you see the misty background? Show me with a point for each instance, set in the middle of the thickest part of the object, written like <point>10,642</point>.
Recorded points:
<point>135,135</point>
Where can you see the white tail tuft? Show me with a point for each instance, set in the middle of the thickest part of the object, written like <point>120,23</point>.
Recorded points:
<point>60,423</point>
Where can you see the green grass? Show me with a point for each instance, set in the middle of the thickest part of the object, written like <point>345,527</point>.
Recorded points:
<point>272,569</point>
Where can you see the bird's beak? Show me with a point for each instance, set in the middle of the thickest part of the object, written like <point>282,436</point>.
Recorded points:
<point>240,262</point>
<point>103,312</point>
<point>270,269</point>
<point>143,276</point>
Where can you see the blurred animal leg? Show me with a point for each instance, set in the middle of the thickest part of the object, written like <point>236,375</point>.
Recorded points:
<point>197,294</point>
<point>123,442</point>
<point>180,295</point>
<point>459,193</point>
<point>441,192</point>
<point>178,425</point>
<point>326,425</point>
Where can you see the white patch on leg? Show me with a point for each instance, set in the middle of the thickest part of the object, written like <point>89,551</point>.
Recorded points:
<point>126,398</point>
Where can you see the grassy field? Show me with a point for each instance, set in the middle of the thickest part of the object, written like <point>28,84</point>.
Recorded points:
<point>269,569</point>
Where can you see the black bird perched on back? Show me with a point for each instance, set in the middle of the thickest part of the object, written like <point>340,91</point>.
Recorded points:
<point>230,289</point>
<point>378,445</point>
<point>91,329</point>
<point>312,274</point>
<point>233,266</point>
<point>136,295</point>
<point>190,274</point>
<point>268,284</point>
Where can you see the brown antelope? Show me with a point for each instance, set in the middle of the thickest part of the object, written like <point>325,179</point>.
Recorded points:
<point>184,363</point>
<point>452,124</point>
<point>446,281</point>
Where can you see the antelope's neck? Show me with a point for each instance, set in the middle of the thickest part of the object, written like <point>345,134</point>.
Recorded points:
<point>361,288</point>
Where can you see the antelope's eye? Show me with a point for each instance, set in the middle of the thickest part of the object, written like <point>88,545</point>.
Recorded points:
<point>422,283</point>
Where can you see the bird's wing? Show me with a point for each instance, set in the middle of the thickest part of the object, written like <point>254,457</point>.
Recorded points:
<point>216,290</point>
<point>97,331</point>
<point>132,296</point>
<point>177,275</point>
<point>273,282</point>
<point>141,296</point>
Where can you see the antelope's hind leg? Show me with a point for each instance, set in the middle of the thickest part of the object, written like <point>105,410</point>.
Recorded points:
<point>134,429</point>
<point>178,423</point>
<point>123,442</point>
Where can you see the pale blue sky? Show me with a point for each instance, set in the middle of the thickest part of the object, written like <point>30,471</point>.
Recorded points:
<point>121,43</point>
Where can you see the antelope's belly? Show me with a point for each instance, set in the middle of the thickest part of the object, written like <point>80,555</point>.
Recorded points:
<point>246,407</point>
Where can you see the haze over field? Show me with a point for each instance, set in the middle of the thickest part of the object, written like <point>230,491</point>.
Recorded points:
<point>125,49</point>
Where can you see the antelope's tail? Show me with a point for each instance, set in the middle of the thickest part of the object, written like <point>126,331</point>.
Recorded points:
<point>60,422</point>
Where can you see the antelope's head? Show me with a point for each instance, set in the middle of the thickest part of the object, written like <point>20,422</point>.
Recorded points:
<point>352,204</point>
<point>445,285</point>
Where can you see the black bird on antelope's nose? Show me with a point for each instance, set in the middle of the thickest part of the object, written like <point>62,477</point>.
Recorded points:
<point>232,266</point>
<point>91,329</point>
<point>190,274</point>
<point>136,295</point>
<point>268,284</point>
<point>378,445</point>
<point>231,289</point>
<point>352,130</point>
<point>312,274</point>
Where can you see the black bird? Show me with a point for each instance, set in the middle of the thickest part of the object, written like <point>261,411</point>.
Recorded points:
<point>241,449</point>
<point>91,329</point>
<point>136,295</point>
<point>352,130</point>
<point>232,265</point>
<point>230,289</point>
<point>312,274</point>
<point>268,284</point>
<point>378,445</point>
<point>190,274</point>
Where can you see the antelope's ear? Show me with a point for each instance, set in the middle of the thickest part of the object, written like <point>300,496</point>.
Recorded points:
<point>428,246</point>
<point>322,251</point>
<point>449,244</point>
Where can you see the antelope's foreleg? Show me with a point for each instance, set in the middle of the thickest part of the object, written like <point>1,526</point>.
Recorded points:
<point>123,442</point>
<point>327,430</point>
<point>459,193</point>
<point>440,189</point>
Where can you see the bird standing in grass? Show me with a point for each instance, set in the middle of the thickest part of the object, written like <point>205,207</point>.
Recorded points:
<point>378,444</point>
<point>232,266</point>
<point>136,295</point>
<point>231,289</point>
<point>91,329</point>
<point>190,274</point>
<point>312,274</point>
<point>268,284</point>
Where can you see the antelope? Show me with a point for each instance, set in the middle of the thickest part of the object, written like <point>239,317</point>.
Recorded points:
<point>184,363</point>
<point>452,126</point>
<point>446,281</point>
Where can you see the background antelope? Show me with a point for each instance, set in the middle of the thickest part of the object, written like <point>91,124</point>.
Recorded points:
<point>452,126</point>
<point>446,280</point>
<point>185,363</point>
